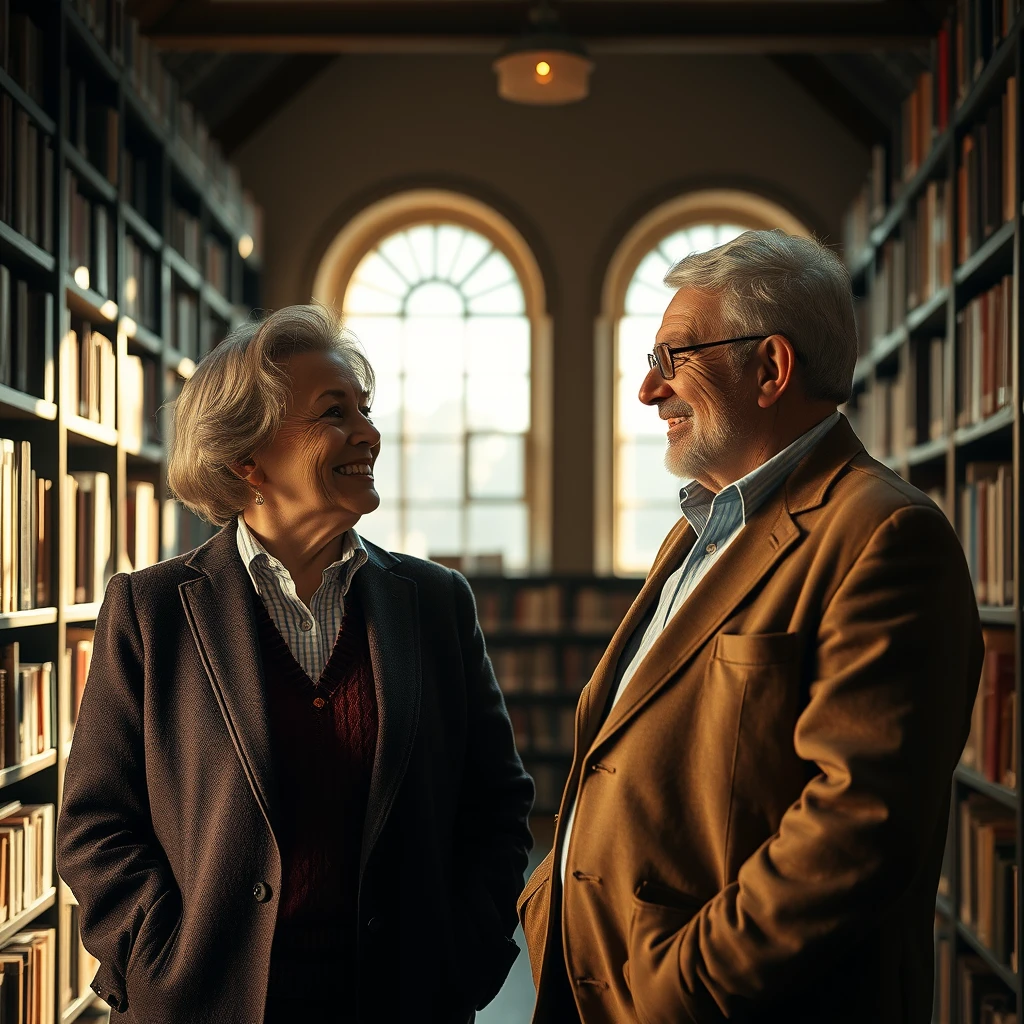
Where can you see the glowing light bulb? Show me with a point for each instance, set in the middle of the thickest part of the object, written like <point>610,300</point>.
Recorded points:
<point>543,68</point>
<point>82,277</point>
<point>245,244</point>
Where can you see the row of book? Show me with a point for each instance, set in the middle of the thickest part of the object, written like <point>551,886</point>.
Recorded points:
<point>980,26</point>
<point>86,536</point>
<point>924,113</point>
<point>185,234</point>
<point>27,706</point>
<point>988,869</point>
<point>26,333</point>
<point>92,375</point>
<point>184,326</point>
<point>983,995</point>
<point>887,300</point>
<point>991,748</point>
<point>987,174</point>
<point>27,977</point>
<point>541,729</point>
<point>25,516</point>
<point>21,51</point>
<point>929,245</point>
<point>984,354</point>
<point>26,855</point>
<point>77,965</point>
<point>26,176</point>
<point>985,526</point>
<point>552,607</point>
<point>143,524</point>
<point>93,125</point>
<point>542,668</point>
<point>141,283</point>
<point>92,240</point>
<point>139,397</point>
<point>78,647</point>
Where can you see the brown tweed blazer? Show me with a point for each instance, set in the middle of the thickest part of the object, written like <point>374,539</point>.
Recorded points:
<point>761,818</point>
<point>166,832</point>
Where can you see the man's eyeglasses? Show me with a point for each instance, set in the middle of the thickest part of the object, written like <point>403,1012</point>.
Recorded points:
<point>663,357</point>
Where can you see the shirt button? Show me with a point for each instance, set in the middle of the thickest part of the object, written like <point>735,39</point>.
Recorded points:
<point>305,624</point>
<point>711,548</point>
<point>318,702</point>
<point>261,892</point>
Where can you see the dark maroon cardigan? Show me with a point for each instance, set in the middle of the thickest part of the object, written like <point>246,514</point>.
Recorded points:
<point>323,739</point>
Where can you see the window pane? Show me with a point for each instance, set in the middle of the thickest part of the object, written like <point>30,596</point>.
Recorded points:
<point>421,240</point>
<point>494,270</point>
<point>433,532</point>
<point>642,473</point>
<point>449,241</point>
<point>640,534</point>
<point>652,270</point>
<point>495,528</point>
<point>387,401</point>
<point>645,298</point>
<point>508,298</point>
<point>636,339</point>
<point>434,346</point>
<point>385,469</point>
<point>435,299</point>
<point>474,248</point>
<point>361,298</point>
<point>494,403</point>
<point>376,271</point>
<point>397,251</point>
<point>496,466</point>
<point>381,339</point>
<point>381,527</point>
<point>433,470</point>
<point>433,402</point>
<point>498,345</point>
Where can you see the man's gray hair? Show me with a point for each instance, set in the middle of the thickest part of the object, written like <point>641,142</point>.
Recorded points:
<point>773,283</point>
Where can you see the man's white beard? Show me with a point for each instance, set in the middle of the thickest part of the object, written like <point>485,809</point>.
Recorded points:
<point>710,442</point>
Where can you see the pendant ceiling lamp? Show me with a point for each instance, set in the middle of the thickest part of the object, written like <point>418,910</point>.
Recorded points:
<point>545,65</point>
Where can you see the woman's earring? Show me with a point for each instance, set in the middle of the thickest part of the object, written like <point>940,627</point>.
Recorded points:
<point>259,497</point>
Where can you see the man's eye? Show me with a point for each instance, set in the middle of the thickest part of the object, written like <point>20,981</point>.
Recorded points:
<point>335,410</point>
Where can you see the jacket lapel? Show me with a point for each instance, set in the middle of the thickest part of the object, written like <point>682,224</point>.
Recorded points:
<point>389,604</point>
<point>218,606</point>
<point>769,534</point>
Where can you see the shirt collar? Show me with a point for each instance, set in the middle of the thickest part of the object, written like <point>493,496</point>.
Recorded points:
<point>696,500</point>
<point>353,555</point>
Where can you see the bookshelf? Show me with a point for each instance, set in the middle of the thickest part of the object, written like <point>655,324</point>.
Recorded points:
<point>545,636</point>
<point>102,317</point>
<point>934,248</point>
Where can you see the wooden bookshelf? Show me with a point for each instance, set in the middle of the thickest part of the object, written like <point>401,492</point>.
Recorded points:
<point>118,158</point>
<point>545,635</point>
<point>944,410</point>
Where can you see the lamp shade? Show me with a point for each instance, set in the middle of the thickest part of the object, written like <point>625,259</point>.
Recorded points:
<point>543,69</point>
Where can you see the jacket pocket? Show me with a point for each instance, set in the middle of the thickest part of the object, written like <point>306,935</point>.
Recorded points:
<point>532,907</point>
<point>155,937</point>
<point>652,970</point>
<point>757,648</point>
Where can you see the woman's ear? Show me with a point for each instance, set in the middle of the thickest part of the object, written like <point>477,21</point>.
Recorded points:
<point>249,472</point>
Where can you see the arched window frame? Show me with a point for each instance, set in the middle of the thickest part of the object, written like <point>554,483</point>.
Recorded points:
<point>418,206</point>
<point>730,206</point>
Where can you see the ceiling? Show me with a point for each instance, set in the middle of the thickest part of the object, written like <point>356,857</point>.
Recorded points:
<point>241,60</point>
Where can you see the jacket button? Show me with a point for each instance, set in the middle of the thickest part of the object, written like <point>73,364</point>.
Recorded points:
<point>261,892</point>
<point>375,926</point>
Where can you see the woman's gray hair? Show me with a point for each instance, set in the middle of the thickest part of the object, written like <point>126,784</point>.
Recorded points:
<point>232,405</point>
<point>773,283</point>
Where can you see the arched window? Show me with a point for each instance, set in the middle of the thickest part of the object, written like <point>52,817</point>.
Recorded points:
<point>640,494</point>
<point>441,309</point>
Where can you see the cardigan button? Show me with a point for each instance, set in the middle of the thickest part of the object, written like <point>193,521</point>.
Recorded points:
<point>261,892</point>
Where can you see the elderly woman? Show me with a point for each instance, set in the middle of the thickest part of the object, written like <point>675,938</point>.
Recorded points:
<point>293,793</point>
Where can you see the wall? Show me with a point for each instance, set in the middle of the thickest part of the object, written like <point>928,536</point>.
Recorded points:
<point>573,179</point>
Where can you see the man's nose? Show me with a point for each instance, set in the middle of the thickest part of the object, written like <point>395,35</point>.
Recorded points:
<point>654,388</point>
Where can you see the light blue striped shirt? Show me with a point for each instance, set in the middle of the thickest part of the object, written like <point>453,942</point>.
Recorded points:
<point>310,633</point>
<point>717,520</point>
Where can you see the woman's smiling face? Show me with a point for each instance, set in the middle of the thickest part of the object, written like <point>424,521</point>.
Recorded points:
<point>320,463</point>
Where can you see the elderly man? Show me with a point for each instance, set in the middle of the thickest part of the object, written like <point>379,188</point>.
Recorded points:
<point>755,818</point>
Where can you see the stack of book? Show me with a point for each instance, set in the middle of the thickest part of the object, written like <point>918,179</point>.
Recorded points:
<point>93,378</point>
<point>28,965</point>
<point>985,527</point>
<point>27,707</point>
<point>25,542</point>
<point>86,536</point>
<point>91,240</point>
<point>26,855</point>
<point>78,657</point>
<point>992,744</point>
<point>26,329</point>
<point>984,353</point>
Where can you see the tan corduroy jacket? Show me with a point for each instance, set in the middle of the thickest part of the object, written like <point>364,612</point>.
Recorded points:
<point>761,819</point>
